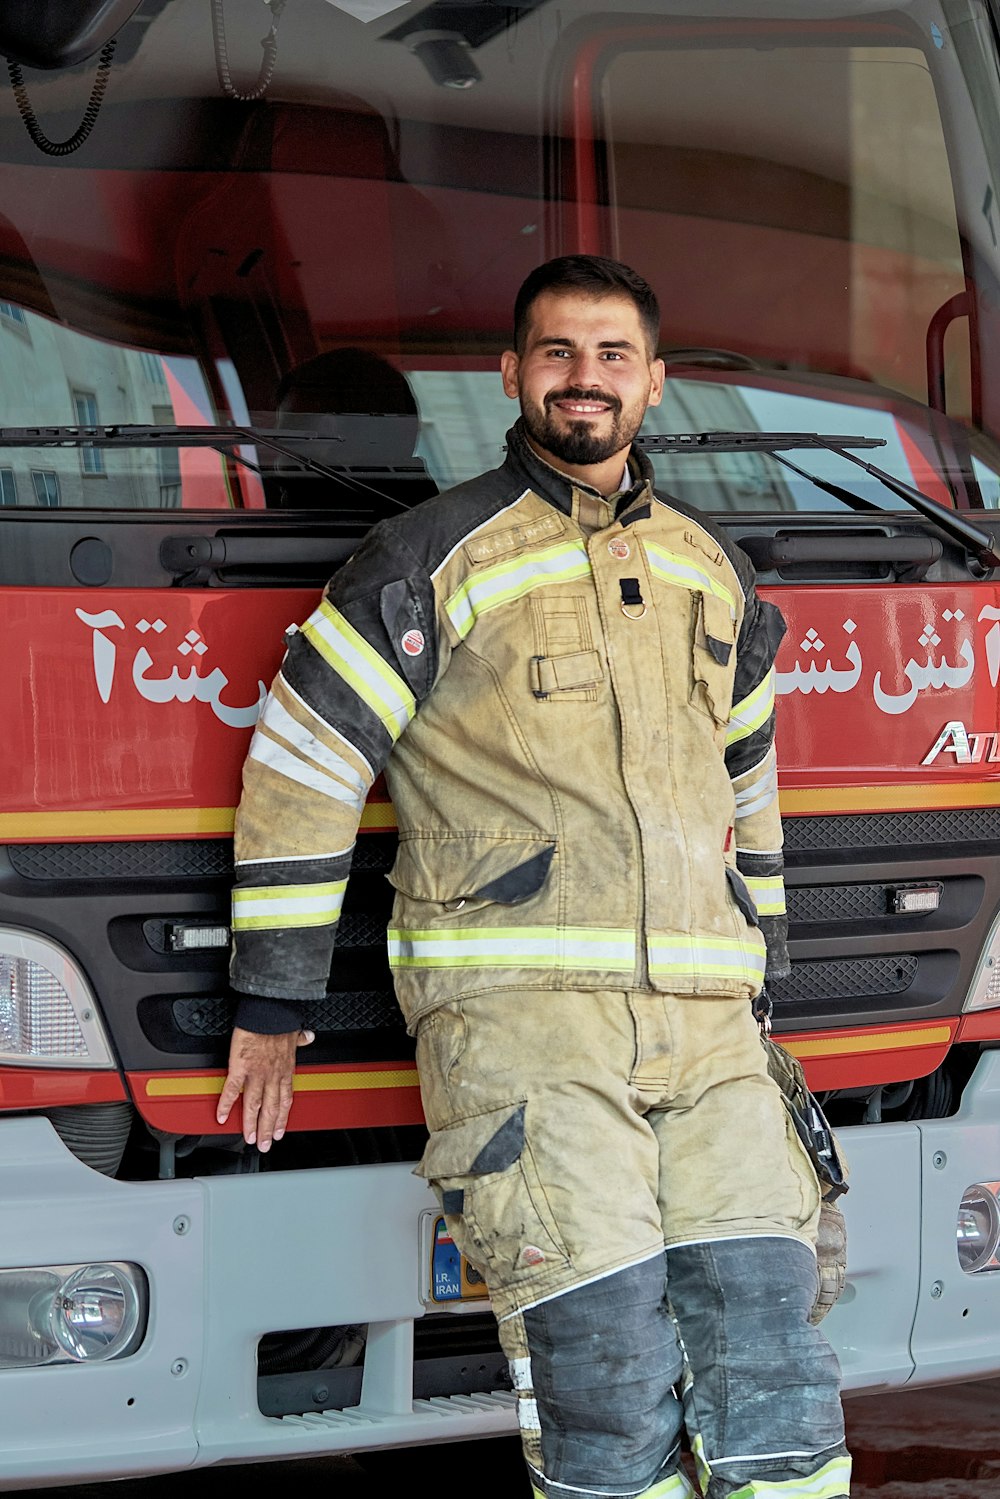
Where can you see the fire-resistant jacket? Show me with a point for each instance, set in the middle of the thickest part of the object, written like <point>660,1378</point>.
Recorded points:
<point>573,703</point>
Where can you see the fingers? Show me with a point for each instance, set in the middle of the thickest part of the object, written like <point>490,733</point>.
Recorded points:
<point>262,1068</point>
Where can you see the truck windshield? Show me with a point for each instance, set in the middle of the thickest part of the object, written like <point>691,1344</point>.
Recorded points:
<point>811,189</point>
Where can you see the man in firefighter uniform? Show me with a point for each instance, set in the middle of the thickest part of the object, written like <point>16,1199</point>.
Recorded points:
<point>568,682</point>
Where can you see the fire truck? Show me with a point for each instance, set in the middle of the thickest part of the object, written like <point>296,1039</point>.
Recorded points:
<point>257,265</point>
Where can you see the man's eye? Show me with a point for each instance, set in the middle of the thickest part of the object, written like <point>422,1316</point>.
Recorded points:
<point>611,354</point>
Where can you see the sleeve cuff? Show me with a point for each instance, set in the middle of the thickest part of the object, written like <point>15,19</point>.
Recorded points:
<point>267,1017</point>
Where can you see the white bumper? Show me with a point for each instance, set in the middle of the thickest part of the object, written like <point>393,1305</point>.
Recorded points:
<point>323,1248</point>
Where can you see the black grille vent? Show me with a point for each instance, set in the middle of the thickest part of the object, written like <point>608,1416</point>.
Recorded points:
<point>185,858</point>
<point>166,859</point>
<point>365,1010</point>
<point>374,851</point>
<point>845,979</point>
<point>951,825</point>
<point>836,902</point>
<point>361,929</point>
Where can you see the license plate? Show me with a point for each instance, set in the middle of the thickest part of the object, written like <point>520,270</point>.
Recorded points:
<point>448,1277</point>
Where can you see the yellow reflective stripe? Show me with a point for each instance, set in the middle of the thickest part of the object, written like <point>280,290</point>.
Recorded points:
<point>768,892</point>
<point>269,907</point>
<point>513,947</point>
<point>753,711</point>
<point>508,581</point>
<point>832,1481</point>
<point>709,956</point>
<point>685,572</point>
<point>361,666</point>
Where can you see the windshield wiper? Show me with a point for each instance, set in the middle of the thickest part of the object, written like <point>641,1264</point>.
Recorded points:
<point>980,543</point>
<point>746,442</point>
<point>223,439</point>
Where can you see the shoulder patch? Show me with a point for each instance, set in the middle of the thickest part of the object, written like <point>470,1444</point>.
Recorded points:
<point>499,543</point>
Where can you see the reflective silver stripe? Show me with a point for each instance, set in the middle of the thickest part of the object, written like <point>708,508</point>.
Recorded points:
<point>281,760</point>
<point>759,794</point>
<point>335,733</point>
<point>361,667</point>
<point>508,581</point>
<point>707,956</point>
<point>685,572</point>
<point>527,1413</point>
<point>754,710</point>
<point>270,907</point>
<point>280,721</point>
<point>314,858</point>
<point>513,947</point>
<point>767,893</point>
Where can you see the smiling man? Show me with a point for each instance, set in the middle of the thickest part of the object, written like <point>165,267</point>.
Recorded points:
<point>567,679</point>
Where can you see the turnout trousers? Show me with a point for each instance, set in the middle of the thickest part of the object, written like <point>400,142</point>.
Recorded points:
<point>622,1171</point>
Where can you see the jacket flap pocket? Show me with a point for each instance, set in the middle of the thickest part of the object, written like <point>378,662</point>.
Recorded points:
<point>489,1142</point>
<point>741,895</point>
<point>563,673</point>
<point>718,627</point>
<point>472,866</point>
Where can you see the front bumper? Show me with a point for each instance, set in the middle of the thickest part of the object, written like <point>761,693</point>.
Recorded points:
<point>231,1258</point>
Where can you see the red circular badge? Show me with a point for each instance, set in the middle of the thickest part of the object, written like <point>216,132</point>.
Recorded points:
<point>620,549</point>
<point>413,642</point>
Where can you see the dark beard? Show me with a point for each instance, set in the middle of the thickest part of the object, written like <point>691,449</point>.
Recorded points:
<point>577,444</point>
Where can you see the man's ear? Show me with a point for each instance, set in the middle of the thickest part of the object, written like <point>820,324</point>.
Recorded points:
<point>509,365</point>
<point>657,374</point>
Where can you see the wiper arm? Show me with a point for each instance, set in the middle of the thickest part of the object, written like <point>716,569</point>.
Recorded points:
<point>846,496</point>
<point>980,543</point>
<point>747,442</point>
<point>223,439</point>
<point>773,444</point>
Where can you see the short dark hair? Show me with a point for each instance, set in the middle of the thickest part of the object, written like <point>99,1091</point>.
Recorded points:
<point>595,276</point>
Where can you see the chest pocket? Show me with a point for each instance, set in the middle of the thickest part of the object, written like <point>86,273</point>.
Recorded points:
<point>564,666</point>
<point>712,652</point>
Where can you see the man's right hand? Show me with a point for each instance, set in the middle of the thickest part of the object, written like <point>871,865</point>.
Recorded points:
<point>262,1068</point>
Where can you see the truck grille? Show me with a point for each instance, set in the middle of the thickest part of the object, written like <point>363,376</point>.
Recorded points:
<point>892,830</point>
<point>360,1010</point>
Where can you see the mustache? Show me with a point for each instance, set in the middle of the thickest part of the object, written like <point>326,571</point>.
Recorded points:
<point>577,393</point>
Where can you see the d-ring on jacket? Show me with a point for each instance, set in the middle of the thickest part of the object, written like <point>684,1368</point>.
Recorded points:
<point>572,700</point>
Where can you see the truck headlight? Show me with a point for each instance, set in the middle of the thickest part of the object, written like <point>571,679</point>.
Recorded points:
<point>984,991</point>
<point>48,1015</point>
<point>979,1228</point>
<point>81,1314</point>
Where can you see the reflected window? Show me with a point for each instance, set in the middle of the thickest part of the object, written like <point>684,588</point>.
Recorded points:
<point>8,487</point>
<point>85,409</point>
<point>46,483</point>
<point>13,314</point>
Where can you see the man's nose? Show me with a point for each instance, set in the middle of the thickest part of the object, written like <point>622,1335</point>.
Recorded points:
<point>587,370</point>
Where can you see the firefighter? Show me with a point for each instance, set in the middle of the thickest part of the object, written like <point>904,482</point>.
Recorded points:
<point>567,679</point>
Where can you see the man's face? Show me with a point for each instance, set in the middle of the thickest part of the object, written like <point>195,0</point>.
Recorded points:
<point>585,377</point>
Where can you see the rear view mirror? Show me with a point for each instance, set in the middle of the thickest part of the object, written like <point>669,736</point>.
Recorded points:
<point>59,34</point>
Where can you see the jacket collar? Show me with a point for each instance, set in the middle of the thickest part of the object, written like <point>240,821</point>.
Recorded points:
<point>555,486</point>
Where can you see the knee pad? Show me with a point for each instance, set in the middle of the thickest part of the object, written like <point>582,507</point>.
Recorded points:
<point>597,1371</point>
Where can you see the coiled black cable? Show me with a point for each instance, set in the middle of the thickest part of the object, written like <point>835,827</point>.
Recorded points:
<point>86,125</point>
